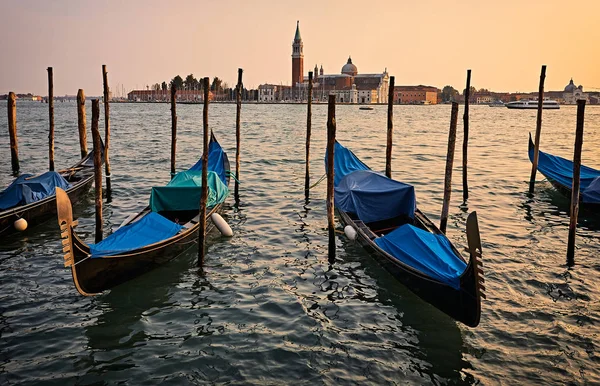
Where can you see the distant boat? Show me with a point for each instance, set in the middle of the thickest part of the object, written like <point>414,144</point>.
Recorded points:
<point>365,108</point>
<point>533,104</point>
<point>425,102</point>
<point>496,104</point>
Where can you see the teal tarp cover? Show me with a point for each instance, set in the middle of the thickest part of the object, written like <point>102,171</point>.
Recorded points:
<point>27,189</point>
<point>184,190</point>
<point>424,251</point>
<point>151,229</point>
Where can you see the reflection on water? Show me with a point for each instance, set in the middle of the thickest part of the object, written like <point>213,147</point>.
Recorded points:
<point>268,307</point>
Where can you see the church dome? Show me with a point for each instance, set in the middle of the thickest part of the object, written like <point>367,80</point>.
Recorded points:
<point>571,86</point>
<point>349,68</point>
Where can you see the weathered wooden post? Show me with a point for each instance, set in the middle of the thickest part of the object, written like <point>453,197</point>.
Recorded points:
<point>106,134</point>
<point>173,128</point>
<point>97,167</point>
<point>538,131</point>
<point>449,164</point>
<point>466,138</point>
<point>308,133</point>
<point>51,118</point>
<point>575,187</point>
<point>238,113</point>
<point>330,174</point>
<point>81,117</point>
<point>12,132</point>
<point>390,129</point>
<point>204,196</point>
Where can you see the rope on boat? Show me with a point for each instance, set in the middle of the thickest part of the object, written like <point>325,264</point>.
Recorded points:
<point>318,182</point>
<point>232,175</point>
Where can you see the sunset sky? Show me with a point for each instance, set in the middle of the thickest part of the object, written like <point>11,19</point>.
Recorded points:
<point>419,42</point>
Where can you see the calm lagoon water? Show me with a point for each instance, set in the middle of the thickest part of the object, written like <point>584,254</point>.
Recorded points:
<point>269,308</point>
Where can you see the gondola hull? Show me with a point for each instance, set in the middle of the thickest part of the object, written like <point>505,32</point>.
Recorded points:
<point>40,211</point>
<point>95,275</point>
<point>463,305</point>
<point>563,189</point>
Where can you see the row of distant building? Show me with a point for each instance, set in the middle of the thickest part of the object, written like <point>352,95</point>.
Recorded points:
<point>349,86</point>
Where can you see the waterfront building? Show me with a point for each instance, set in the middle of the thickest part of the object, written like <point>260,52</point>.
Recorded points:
<point>165,96</point>
<point>416,95</point>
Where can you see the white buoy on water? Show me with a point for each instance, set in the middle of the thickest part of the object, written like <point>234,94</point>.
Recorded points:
<point>221,225</point>
<point>20,224</point>
<point>350,232</point>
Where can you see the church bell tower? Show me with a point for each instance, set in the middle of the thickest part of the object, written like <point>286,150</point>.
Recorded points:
<point>297,58</point>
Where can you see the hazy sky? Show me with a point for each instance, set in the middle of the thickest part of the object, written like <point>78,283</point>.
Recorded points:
<point>420,42</point>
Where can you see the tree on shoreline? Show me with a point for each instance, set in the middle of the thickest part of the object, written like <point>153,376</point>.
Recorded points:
<point>177,82</point>
<point>449,94</point>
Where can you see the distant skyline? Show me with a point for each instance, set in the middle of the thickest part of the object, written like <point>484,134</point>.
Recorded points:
<point>430,42</point>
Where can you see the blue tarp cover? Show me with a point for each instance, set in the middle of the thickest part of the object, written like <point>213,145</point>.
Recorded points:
<point>424,251</point>
<point>184,190</point>
<point>561,170</point>
<point>374,197</point>
<point>151,229</point>
<point>344,163</point>
<point>216,161</point>
<point>27,189</point>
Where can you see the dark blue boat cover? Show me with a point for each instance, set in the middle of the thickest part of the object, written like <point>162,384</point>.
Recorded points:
<point>374,197</point>
<point>216,161</point>
<point>151,229</point>
<point>426,252</point>
<point>27,189</point>
<point>344,163</point>
<point>560,170</point>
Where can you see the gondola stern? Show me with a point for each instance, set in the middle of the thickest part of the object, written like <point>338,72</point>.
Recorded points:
<point>473,283</point>
<point>66,225</point>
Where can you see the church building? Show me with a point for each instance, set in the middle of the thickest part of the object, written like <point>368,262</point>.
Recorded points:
<point>349,86</point>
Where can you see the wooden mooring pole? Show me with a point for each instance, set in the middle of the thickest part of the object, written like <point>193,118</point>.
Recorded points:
<point>173,128</point>
<point>238,112</point>
<point>308,133</point>
<point>449,164</point>
<point>390,129</point>
<point>575,187</point>
<point>204,196</point>
<point>538,131</point>
<point>51,118</point>
<point>465,147</point>
<point>330,174</point>
<point>97,167</point>
<point>106,134</point>
<point>12,132</point>
<point>81,118</point>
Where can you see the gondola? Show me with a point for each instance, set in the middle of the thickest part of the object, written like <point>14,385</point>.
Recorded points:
<point>156,235</point>
<point>559,171</point>
<point>381,214</point>
<point>32,198</point>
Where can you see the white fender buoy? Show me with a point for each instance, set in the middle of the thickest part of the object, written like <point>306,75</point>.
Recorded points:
<point>20,224</point>
<point>350,232</point>
<point>221,225</point>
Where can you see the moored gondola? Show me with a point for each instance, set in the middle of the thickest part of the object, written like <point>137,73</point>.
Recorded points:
<point>381,214</point>
<point>559,172</point>
<point>156,235</point>
<point>32,198</point>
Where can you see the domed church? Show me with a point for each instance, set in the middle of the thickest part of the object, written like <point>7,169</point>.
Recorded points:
<point>349,86</point>
<point>573,93</point>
